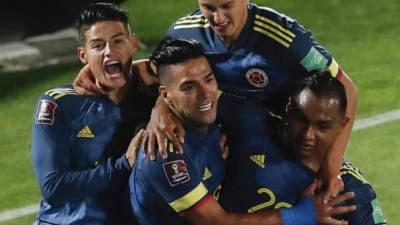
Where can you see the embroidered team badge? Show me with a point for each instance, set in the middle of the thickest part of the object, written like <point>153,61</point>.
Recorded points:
<point>257,78</point>
<point>176,172</point>
<point>45,112</point>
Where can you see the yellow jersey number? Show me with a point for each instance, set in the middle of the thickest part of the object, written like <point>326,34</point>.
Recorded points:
<point>271,201</point>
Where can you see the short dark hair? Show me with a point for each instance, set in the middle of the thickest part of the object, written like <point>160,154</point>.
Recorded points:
<point>174,51</point>
<point>98,12</point>
<point>322,84</point>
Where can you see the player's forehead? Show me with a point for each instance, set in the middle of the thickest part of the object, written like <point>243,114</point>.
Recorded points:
<point>191,70</point>
<point>105,28</point>
<point>317,108</point>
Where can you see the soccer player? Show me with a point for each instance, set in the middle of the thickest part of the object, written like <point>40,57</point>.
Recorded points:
<point>260,176</point>
<point>316,115</point>
<point>254,52</point>
<point>258,52</point>
<point>79,142</point>
<point>180,189</point>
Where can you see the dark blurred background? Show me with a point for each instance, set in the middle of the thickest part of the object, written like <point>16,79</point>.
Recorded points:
<point>21,19</point>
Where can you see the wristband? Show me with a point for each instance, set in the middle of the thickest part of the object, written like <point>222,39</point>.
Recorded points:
<point>302,213</point>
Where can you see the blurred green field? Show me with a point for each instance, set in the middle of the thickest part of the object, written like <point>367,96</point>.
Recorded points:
<point>360,34</point>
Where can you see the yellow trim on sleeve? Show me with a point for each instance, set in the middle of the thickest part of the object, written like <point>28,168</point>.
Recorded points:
<point>189,199</point>
<point>334,68</point>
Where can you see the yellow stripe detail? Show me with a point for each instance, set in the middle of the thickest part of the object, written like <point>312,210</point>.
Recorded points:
<point>191,26</point>
<point>334,68</point>
<point>269,34</point>
<point>276,25</point>
<point>189,199</point>
<point>191,17</point>
<point>347,169</point>
<point>60,90</point>
<point>274,30</point>
<point>198,20</point>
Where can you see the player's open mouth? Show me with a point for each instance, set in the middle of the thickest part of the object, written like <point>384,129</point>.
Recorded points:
<point>205,107</point>
<point>113,67</point>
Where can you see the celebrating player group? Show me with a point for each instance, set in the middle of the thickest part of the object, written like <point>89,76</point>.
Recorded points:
<point>238,117</point>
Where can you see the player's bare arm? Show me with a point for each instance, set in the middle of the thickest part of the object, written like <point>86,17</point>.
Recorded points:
<point>331,166</point>
<point>163,125</point>
<point>212,213</point>
<point>84,83</point>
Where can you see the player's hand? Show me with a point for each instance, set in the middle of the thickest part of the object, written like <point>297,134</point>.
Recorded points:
<point>331,208</point>
<point>133,148</point>
<point>330,187</point>
<point>163,125</point>
<point>325,212</point>
<point>84,83</point>
<point>224,146</point>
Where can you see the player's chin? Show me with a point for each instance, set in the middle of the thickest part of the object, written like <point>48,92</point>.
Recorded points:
<point>209,119</point>
<point>117,82</point>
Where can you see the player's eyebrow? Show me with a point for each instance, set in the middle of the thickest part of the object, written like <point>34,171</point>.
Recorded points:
<point>189,82</point>
<point>100,39</point>
<point>209,75</point>
<point>117,35</point>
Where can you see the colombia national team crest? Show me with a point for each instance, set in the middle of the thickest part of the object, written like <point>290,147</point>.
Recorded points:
<point>45,112</point>
<point>257,78</point>
<point>176,172</point>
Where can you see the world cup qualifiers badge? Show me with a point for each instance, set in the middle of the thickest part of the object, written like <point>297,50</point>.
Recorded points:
<point>176,172</point>
<point>257,78</point>
<point>45,112</point>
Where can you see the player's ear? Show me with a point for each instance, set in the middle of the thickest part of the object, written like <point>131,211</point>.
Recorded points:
<point>134,40</point>
<point>163,93</point>
<point>82,55</point>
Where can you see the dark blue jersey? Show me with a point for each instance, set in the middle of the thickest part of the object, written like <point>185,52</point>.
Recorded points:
<point>161,190</point>
<point>77,152</point>
<point>368,211</point>
<point>272,53</point>
<point>258,175</point>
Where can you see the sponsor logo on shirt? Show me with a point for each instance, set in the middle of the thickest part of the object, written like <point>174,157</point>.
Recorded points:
<point>85,132</point>
<point>257,78</point>
<point>45,112</point>
<point>259,160</point>
<point>176,172</point>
